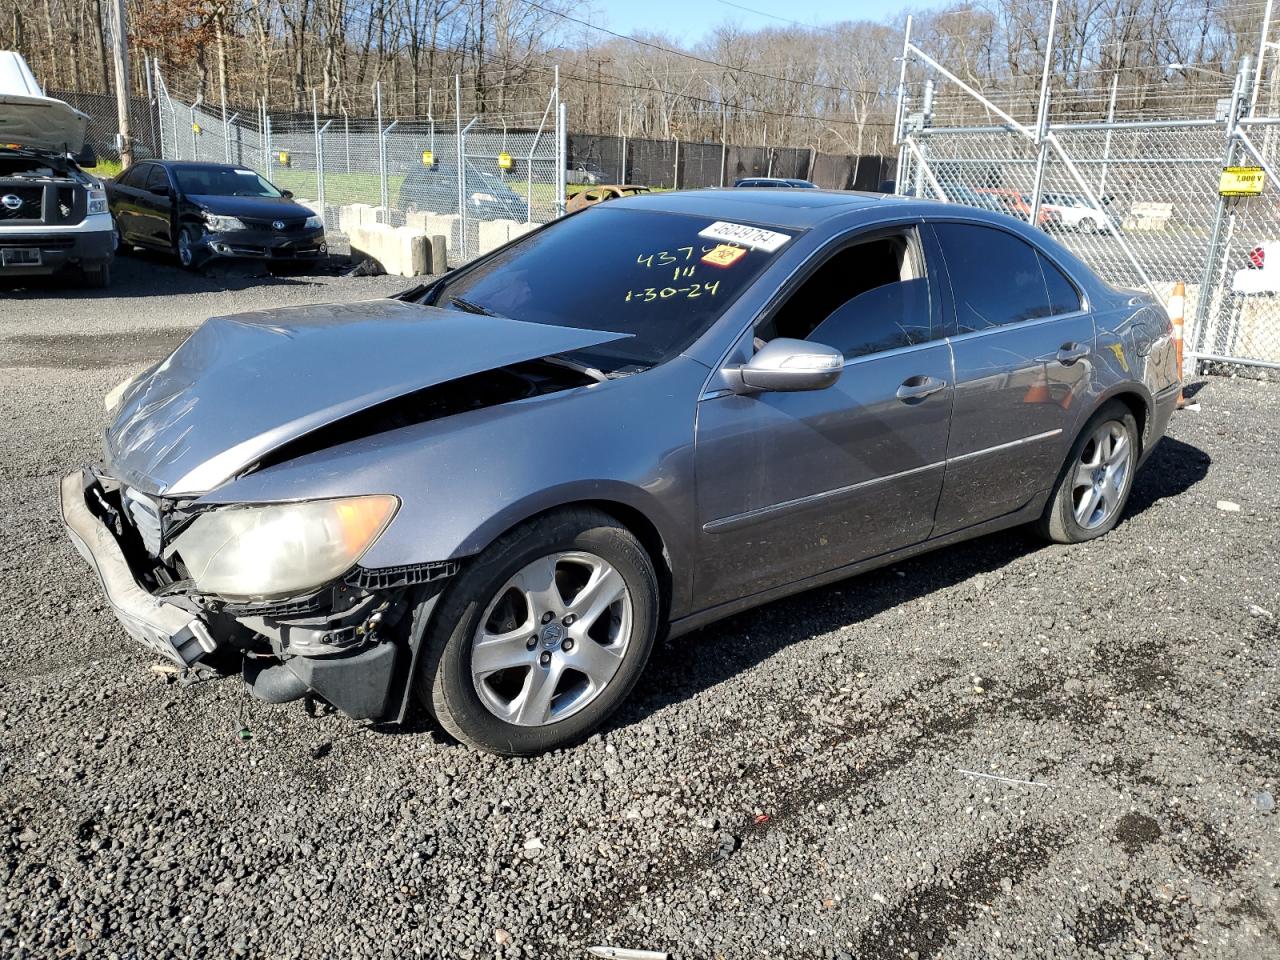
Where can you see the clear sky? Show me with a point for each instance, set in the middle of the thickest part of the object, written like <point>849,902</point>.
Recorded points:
<point>689,20</point>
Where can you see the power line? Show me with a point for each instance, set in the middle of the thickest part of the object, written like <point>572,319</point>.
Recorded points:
<point>772,16</point>
<point>690,56</point>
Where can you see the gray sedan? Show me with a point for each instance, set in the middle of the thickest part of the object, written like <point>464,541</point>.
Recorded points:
<point>493,493</point>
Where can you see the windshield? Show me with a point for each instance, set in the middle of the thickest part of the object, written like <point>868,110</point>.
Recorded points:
<point>222,182</point>
<point>664,278</point>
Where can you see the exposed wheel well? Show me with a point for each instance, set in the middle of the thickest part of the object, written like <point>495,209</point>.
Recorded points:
<point>645,531</point>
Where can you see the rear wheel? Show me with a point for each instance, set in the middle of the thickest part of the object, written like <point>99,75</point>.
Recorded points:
<point>1094,485</point>
<point>543,636</point>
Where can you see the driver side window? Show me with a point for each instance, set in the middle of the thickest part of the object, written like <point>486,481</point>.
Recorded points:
<point>866,298</point>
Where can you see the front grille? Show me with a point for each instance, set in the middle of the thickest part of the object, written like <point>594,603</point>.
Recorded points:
<point>144,515</point>
<point>55,203</point>
<point>290,226</point>
<point>30,203</point>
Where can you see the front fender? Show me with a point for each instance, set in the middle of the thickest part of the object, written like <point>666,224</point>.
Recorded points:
<point>465,479</point>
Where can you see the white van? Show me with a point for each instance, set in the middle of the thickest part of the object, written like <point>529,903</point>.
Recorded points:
<point>53,215</point>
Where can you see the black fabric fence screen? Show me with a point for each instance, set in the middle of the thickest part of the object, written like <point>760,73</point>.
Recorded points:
<point>595,158</point>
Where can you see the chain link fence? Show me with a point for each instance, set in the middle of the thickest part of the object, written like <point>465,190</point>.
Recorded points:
<point>1139,202</point>
<point>478,183</point>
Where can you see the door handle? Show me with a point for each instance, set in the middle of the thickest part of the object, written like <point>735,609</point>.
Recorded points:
<point>917,388</point>
<point>1071,352</point>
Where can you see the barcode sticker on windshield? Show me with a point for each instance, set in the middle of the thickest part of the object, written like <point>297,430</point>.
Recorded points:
<point>757,238</point>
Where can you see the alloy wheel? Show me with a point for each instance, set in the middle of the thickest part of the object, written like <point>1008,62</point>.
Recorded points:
<point>184,248</point>
<point>1101,475</point>
<point>552,638</point>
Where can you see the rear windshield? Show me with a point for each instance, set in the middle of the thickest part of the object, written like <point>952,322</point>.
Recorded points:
<point>223,182</point>
<point>664,278</point>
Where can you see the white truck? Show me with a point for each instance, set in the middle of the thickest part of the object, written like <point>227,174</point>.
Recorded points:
<point>53,215</point>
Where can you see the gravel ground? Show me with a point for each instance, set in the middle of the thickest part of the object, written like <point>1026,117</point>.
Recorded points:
<point>799,781</point>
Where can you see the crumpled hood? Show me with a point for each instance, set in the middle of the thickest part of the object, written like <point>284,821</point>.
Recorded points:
<point>242,386</point>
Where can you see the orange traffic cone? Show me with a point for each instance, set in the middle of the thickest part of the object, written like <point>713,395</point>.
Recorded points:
<point>1177,307</point>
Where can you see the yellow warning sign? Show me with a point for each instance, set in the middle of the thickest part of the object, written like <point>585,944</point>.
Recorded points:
<point>284,158</point>
<point>428,158</point>
<point>504,161</point>
<point>195,128</point>
<point>1242,181</point>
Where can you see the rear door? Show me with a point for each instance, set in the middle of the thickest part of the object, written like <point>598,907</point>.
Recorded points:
<point>124,199</point>
<point>1023,348</point>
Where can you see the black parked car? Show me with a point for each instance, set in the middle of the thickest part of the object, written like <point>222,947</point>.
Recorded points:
<point>435,189</point>
<point>204,210</point>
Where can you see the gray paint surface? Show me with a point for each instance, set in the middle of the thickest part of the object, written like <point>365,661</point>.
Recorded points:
<point>751,495</point>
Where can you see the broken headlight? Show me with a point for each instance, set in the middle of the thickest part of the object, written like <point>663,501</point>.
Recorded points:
<point>278,550</point>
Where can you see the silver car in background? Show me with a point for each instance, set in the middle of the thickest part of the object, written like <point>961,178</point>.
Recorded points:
<point>494,492</point>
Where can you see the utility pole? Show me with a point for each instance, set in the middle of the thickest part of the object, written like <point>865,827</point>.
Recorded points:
<point>120,52</point>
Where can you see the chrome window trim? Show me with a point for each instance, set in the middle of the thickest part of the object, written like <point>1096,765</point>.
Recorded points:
<point>1019,325</point>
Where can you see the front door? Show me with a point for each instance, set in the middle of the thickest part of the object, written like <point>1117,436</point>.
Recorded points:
<point>795,484</point>
<point>1023,369</point>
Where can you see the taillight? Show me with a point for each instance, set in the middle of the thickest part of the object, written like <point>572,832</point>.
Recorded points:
<point>1258,257</point>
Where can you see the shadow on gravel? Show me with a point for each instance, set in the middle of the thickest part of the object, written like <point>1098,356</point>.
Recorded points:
<point>153,274</point>
<point>683,668</point>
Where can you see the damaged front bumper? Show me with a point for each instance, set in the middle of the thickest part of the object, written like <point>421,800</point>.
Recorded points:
<point>352,658</point>
<point>163,627</point>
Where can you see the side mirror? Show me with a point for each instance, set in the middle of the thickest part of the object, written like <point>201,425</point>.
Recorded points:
<point>287,194</point>
<point>160,189</point>
<point>787,366</point>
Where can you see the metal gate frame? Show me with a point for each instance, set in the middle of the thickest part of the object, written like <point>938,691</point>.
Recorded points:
<point>1217,308</point>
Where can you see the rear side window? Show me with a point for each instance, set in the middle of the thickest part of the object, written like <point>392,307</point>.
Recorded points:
<point>1063,297</point>
<point>998,279</point>
<point>158,178</point>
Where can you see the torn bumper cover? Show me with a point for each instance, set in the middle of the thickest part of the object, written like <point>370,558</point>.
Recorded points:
<point>163,627</point>
<point>345,656</point>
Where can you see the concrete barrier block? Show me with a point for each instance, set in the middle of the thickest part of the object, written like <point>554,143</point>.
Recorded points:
<point>353,215</point>
<point>439,254</point>
<point>447,224</point>
<point>401,251</point>
<point>494,233</point>
<point>520,229</point>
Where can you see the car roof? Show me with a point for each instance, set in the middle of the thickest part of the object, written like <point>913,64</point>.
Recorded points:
<point>798,209</point>
<point>197,163</point>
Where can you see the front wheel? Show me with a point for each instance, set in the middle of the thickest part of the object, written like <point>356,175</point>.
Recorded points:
<point>97,277</point>
<point>542,636</point>
<point>190,248</point>
<point>1094,485</point>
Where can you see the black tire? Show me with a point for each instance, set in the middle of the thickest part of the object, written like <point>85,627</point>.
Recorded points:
<point>1059,522</point>
<point>97,277</point>
<point>190,237</point>
<point>445,685</point>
